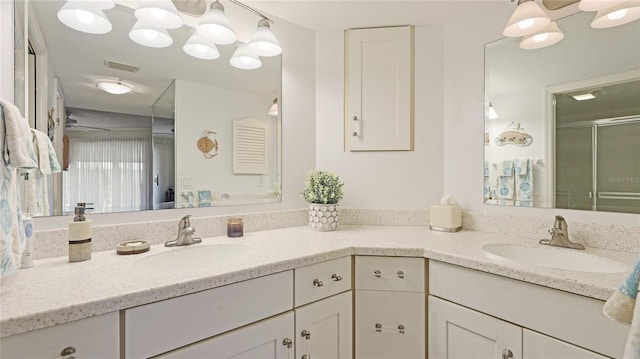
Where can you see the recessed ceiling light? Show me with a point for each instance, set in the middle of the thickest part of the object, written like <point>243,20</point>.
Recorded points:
<point>586,95</point>
<point>114,87</point>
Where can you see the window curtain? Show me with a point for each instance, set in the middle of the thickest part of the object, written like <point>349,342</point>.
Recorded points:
<point>113,174</point>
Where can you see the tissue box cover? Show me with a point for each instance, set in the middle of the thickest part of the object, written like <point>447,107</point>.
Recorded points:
<point>446,218</point>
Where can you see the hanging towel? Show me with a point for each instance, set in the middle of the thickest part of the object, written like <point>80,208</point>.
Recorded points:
<point>623,306</point>
<point>487,187</point>
<point>523,170</point>
<point>17,153</point>
<point>17,147</point>
<point>36,187</point>
<point>504,178</point>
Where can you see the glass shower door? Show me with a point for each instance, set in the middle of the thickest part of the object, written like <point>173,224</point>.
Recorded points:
<point>574,168</point>
<point>618,168</point>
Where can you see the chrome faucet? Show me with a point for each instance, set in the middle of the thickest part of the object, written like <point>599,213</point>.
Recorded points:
<point>560,235</point>
<point>185,234</point>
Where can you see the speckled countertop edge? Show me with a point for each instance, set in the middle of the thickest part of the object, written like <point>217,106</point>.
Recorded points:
<point>56,292</point>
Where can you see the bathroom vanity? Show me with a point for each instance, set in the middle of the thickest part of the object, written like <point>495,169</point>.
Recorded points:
<point>357,292</point>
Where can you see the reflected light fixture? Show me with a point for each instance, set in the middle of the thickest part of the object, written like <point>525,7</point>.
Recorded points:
<point>159,13</point>
<point>200,48</point>
<point>264,42</point>
<point>114,87</point>
<point>149,35</point>
<point>273,111</point>
<point>528,18</point>
<point>244,58</point>
<point>84,17</point>
<point>586,95</point>
<point>546,37</point>
<point>620,14</point>
<point>492,112</point>
<point>216,26</point>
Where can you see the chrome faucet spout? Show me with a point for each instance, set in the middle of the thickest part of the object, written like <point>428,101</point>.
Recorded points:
<point>560,235</point>
<point>185,234</point>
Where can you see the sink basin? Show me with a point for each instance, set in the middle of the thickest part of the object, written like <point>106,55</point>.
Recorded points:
<point>560,258</point>
<point>194,257</point>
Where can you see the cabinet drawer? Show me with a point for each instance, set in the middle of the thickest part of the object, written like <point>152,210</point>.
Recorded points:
<point>390,324</point>
<point>322,280</point>
<point>95,337</point>
<point>390,273</point>
<point>159,327</point>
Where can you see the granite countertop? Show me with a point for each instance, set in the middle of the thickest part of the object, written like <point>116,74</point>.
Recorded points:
<point>56,291</point>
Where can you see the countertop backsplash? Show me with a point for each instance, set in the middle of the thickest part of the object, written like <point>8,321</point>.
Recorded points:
<point>53,243</point>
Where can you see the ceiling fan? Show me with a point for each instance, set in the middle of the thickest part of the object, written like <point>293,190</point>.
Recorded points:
<point>72,124</point>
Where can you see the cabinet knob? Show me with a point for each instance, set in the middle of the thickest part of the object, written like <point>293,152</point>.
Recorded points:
<point>507,354</point>
<point>317,283</point>
<point>401,329</point>
<point>287,343</point>
<point>378,327</point>
<point>305,334</point>
<point>304,357</point>
<point>68,353</point>
<point>400,274</point>
<point>377,273</point>
<point>336,278</point>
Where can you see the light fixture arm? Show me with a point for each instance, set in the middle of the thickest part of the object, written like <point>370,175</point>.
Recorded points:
<point>249,8</point>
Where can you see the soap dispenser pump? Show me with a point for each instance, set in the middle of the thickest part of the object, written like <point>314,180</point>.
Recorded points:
<point>80,234</point>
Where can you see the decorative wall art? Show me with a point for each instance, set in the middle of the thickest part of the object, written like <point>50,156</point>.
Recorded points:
<point>206,145</point>
<point>514,135</point>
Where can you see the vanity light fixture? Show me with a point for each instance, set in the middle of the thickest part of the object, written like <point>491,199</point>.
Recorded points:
<point>244,58</point>
<point>527,19</point>
<point>114,87</point>
<point>84,17</point>
<point>546,37</point>
<point>159,13</point>
<point>273,111</point>
<point>216,26</point>
<point>200,48</point>
<point>149,35</point>
<point>264,42</point>
<point>617,15</point>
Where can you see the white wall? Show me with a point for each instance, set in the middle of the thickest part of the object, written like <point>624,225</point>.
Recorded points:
<point>6,47</point>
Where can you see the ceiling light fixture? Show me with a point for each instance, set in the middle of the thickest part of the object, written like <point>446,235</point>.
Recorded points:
<point>149,35</point>
<point>160,13</point>
<point>492,112</point>
<point>244,58</point>
<point>528,18</point>
<point>586,95</point>
<point>114,87</point>
<point>620,14</point>
<point>273,111</point>
<point>85,18</point>
<point>200,48</point>
<point>546,37</point>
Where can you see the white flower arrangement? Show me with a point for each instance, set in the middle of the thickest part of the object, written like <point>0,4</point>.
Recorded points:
<point>322,187</point>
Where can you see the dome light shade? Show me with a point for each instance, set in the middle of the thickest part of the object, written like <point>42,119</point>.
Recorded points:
<point>149,35</point>
<point>543,38</point>
<point>200,48</point>
<point>596,5</point>
<point>78,16</point>
<point>264,42</point>
<point>273,111</point>
<point>245,59</point>
<point>95,4</point>
<point>160,13</point>
<point>114,87</point>
<point>216,27</point>
<point>617,15</point>
<point>527,19</point>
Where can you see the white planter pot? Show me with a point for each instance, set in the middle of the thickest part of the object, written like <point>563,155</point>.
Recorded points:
<point>323,217</point>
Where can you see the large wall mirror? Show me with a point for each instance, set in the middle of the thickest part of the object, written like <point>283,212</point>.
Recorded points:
<point>192,133</point>
<point>562,123</point>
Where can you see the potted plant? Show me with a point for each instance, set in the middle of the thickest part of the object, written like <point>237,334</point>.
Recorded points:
<point>323,192</point>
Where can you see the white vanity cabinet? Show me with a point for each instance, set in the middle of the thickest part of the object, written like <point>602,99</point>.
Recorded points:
<point>390,307</point>
<point>95,337</point>
<point>163,326</point>
<point>323,313</point>
<point>481,315</point>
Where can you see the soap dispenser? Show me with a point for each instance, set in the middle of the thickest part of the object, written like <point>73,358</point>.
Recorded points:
<point>80,234</point>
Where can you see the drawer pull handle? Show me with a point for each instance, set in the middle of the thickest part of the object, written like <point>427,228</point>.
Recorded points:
<point>305,334</point>
<point>400,274</point>
<point>287,343</point>
<point>317,283</point>
<point>68,353</point>
<point>401,329</point>
<point>507,354</point>
<point>336,278</point>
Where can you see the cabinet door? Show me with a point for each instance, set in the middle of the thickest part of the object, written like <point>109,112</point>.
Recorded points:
<point>390,324</point>
<point>459,332</point>
<point>95,337</point>
<point>324,328</point>
<point>268,339</point>
<point>538,346</point>
<point>379,89</point>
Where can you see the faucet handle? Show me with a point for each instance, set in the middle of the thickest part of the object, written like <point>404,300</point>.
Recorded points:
<point>184,222</point>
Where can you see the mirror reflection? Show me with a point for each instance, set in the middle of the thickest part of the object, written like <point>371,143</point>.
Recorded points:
<point>190,133</point>
<point>562,123</point>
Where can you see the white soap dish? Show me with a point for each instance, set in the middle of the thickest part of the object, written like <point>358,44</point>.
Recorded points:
<point>132,247</point>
